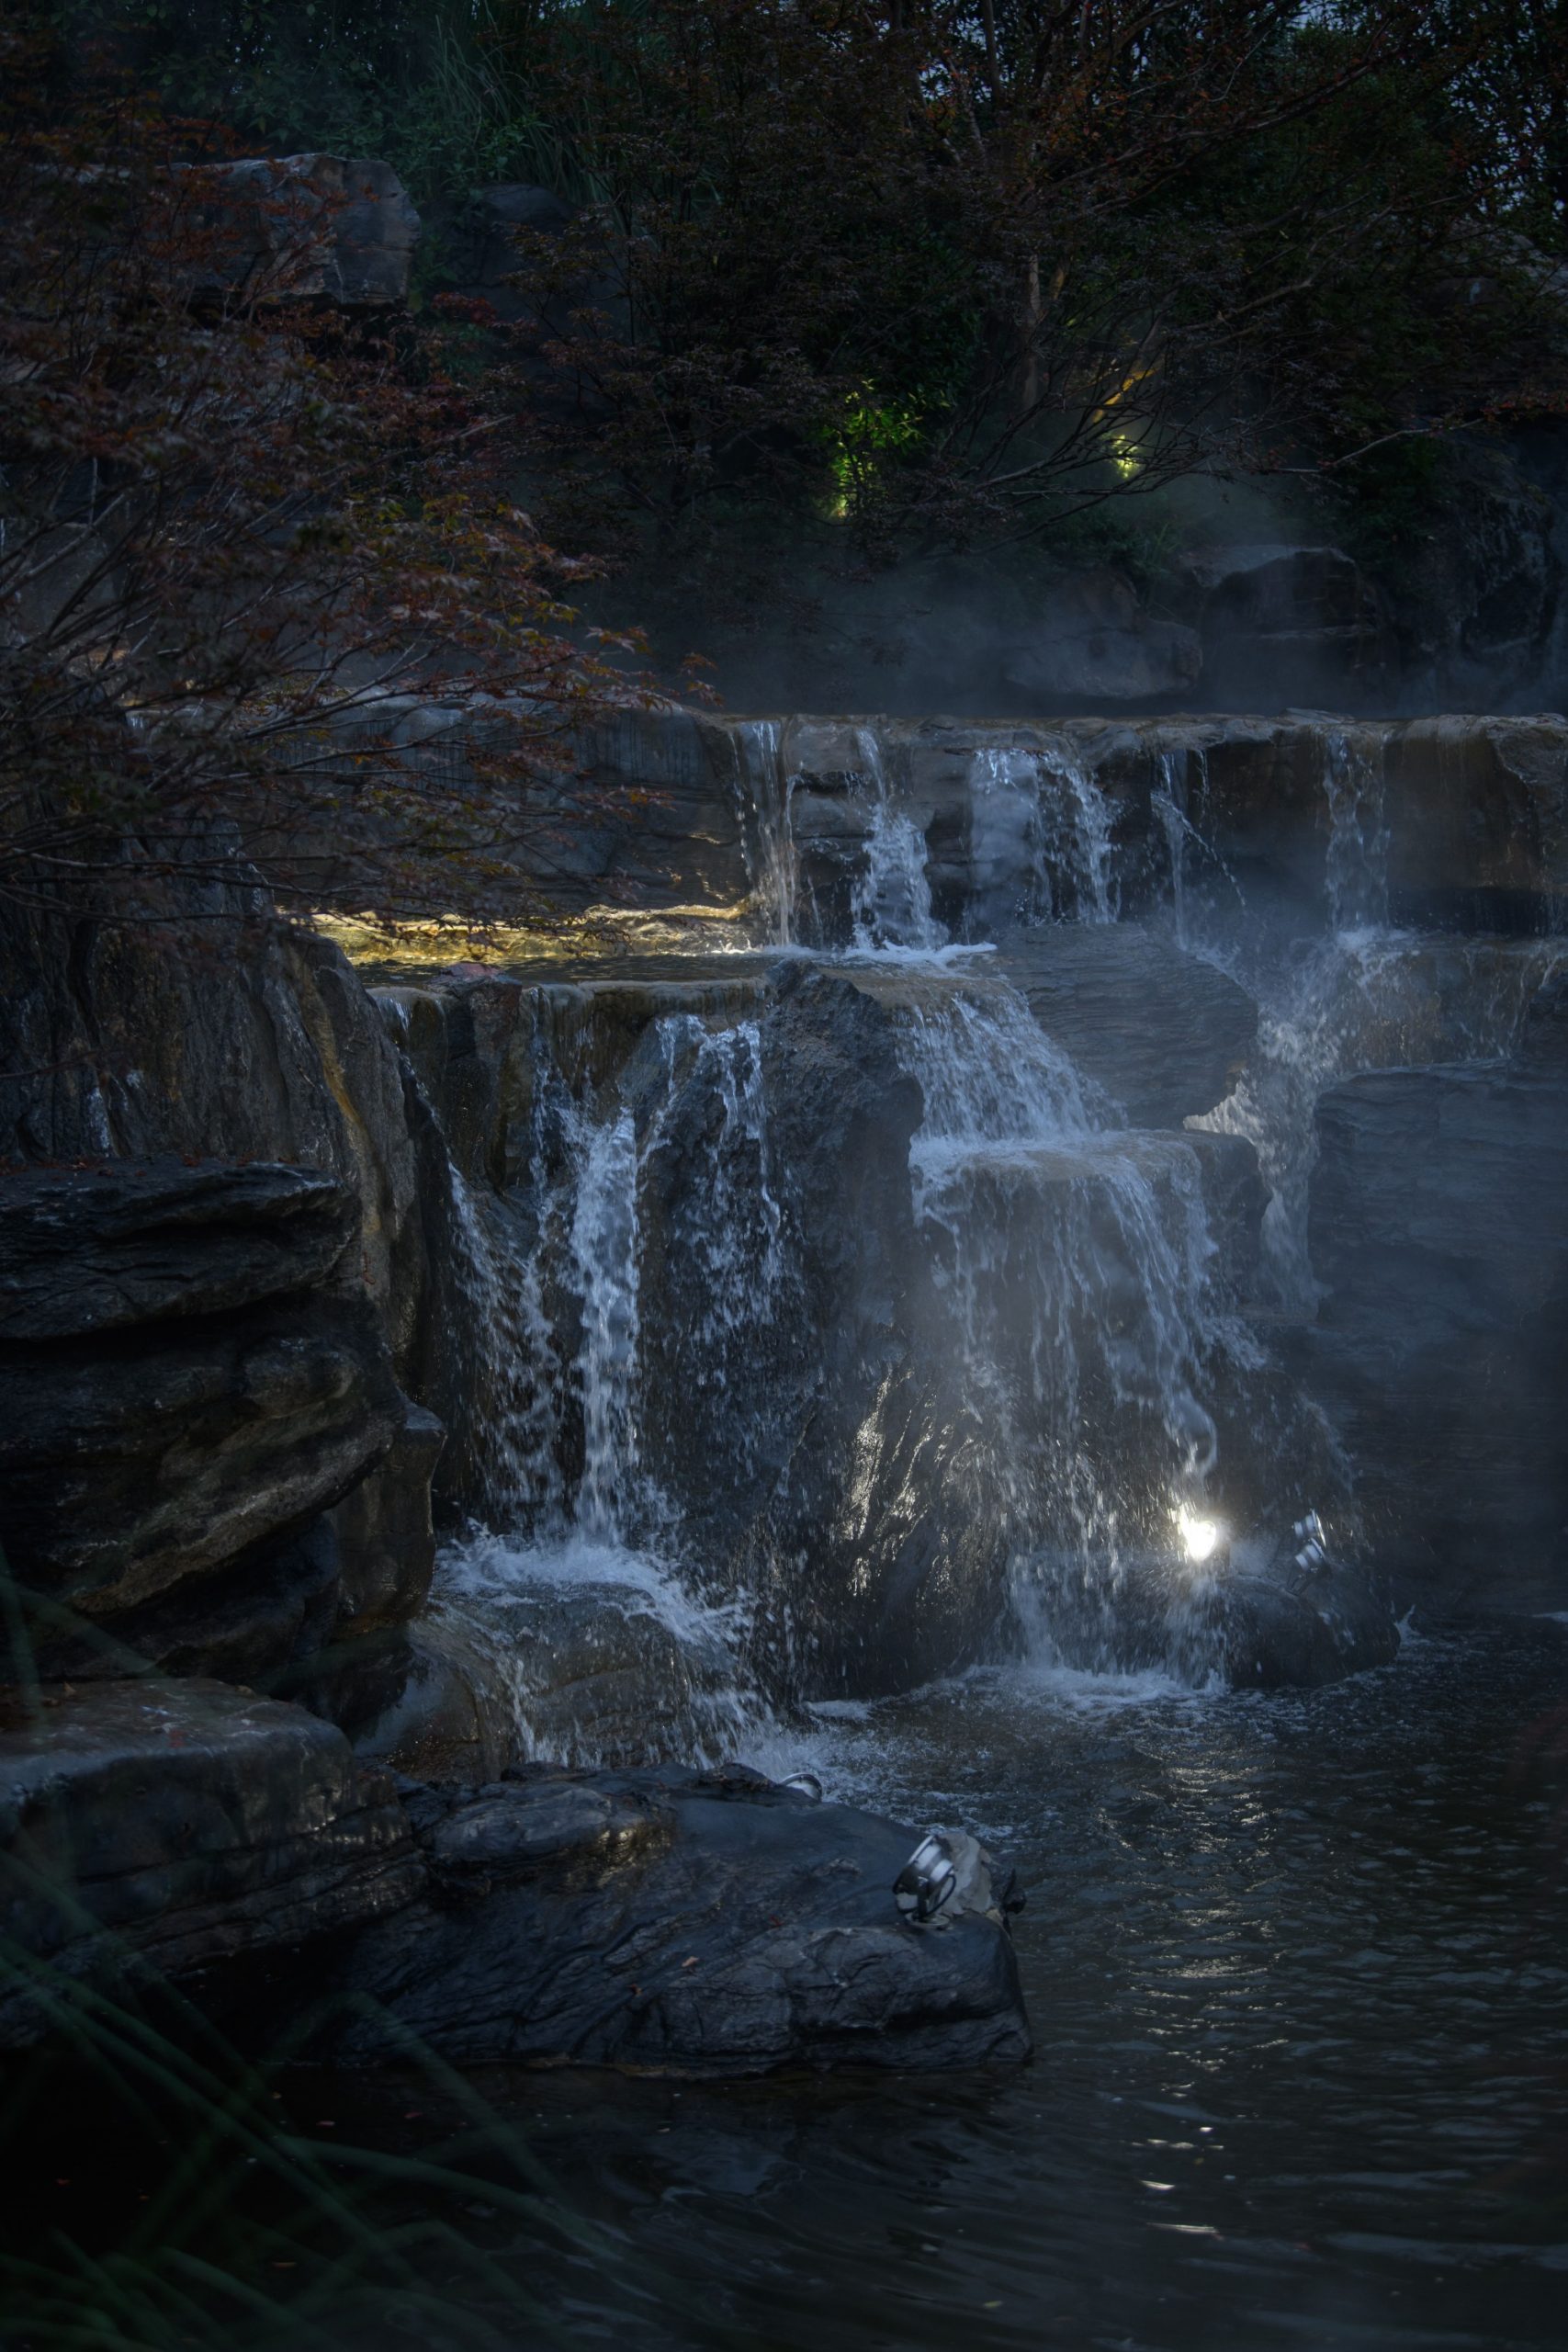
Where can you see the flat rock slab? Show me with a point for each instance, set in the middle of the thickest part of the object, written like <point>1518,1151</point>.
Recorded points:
<point>682,1923</point>
<point>175,1824</point>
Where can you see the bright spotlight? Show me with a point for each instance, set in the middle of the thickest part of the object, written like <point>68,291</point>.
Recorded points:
<point>1200,1537</point>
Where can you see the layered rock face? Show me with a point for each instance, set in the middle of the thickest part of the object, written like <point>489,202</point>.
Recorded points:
<point>211,1273</point>
<point>1440,1229</point>
<point>151,1829</point>
<point>1472,814</point>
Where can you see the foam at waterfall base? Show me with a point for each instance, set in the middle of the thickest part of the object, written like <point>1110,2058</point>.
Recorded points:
<point>873,1754</point>
<point>605,1652</point>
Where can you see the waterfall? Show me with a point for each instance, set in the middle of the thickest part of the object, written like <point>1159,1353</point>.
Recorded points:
<point>890,901</point>
<point>1076,834</point>
<point>1041,837</point>
<point>735,1222</point>
<point>1051,1390</point>
<point>578,1590</point>
<point>1075,1261</point>
<point>763,793</point>
<point>1356,871</point>
<point>512,1370</point>
<point>1361,995</point>
<point>605,1254</point>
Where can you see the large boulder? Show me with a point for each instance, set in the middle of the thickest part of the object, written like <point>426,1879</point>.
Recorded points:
<point>1284,623</point>
<point>688,1924</point>
<point>152,1829</point>
<point>1440,1230</point>
<point>213,1034</point>
<point>340,228</point>
<point>777,1414</point>
<point>1097,650</point>
<point>131,1464</point>
<point>1165,1034</point>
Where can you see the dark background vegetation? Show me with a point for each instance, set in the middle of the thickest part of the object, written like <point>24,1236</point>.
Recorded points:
<point>856,329</point>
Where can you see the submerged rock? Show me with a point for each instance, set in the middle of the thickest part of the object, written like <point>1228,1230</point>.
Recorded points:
<point>684,1922</point>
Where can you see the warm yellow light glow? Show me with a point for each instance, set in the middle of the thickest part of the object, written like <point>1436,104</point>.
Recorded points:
<point>1200,1537</point>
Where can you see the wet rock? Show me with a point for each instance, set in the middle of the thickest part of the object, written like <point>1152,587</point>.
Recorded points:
<point>1275,1635</point>
<point>249,1622</point>
<point>503,1835</point>
<point>423,1700</point>
<point>1440,1229</point>
<point>169,1826</point>
<point>783,1393</point>
<point>140,1242</point>
<point>1165,1034</point>
<point>1255,1622</point>
<point>1235,1198</point>
<point>1477,818</point>
<point>681,1923</point>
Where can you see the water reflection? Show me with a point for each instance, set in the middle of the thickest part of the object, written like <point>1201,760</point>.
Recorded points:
<point>1296,1968</point>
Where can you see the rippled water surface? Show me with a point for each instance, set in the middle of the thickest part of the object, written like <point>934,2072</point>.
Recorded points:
<point>1299,1982</point>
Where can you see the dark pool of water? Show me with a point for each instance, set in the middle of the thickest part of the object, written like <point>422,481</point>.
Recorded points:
<point>1298,1975</point>
<point>1298,1972</point>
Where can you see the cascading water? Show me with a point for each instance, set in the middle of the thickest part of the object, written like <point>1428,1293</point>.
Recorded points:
<point>604,1255</point>
<point>763,796</point>
<point>575,1590</point>
<point>890,900</point>
<point>1075,1259</point>
<point>1093,1404</point>
<point>1041,838</point>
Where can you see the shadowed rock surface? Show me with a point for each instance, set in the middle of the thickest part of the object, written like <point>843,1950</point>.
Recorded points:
<point>700,1924</point>
<point>184,1389</point>
<point>685,1923</point>
<point>1439,1228</point>
<point>1165,1034</point>
<point>151,1241</point>
<point>172,1827</point>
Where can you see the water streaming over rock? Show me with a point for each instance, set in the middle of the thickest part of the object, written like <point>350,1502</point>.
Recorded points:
<point>1041,838</point>
<point>1085,1426</point>
<point>763,793</point>
<point>1076,1262</point>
